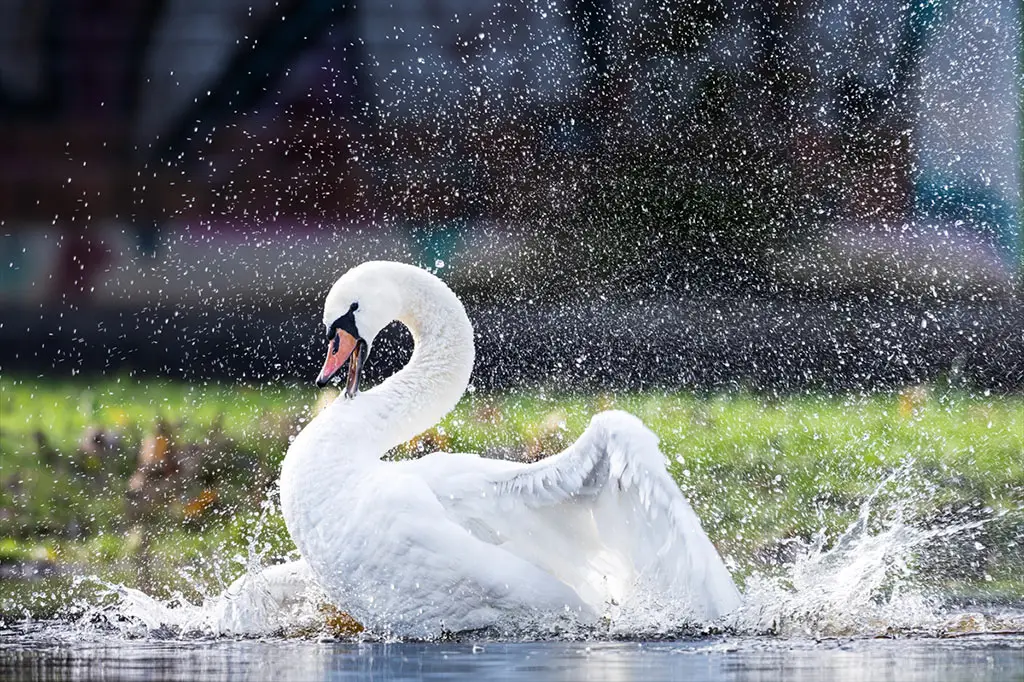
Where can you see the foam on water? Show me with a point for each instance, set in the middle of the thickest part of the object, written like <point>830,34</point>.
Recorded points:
<point>864,583</point>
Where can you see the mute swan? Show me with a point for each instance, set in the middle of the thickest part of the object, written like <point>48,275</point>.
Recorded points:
<point>454,542</point>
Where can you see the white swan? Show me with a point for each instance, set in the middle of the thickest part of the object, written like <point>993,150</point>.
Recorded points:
<point>453,542</point>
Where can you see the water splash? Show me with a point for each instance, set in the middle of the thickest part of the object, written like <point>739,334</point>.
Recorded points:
<point>865,583</point>
<point>248,606</point>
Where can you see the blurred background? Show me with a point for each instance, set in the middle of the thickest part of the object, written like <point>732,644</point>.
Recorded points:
<point>626,193</point>
<point>800,219</point>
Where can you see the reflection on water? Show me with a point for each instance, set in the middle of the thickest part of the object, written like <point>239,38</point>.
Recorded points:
<point>42,652</point>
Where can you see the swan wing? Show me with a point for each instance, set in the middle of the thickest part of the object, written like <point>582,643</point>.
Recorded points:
<point>604,516</point>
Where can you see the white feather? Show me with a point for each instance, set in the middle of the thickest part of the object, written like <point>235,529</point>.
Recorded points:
<point>455,541</point>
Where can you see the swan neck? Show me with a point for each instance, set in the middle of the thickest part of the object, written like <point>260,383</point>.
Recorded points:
<point>431,384</point>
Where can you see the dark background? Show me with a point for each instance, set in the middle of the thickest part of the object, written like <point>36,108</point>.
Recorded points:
<point>776,196</point>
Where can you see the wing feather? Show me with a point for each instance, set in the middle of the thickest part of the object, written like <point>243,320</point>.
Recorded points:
<point>604,515</point>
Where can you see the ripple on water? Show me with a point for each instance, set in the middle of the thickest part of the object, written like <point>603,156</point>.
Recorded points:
<point>61,651</point>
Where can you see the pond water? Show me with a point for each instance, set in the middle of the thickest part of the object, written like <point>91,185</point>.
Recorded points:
<point>853,611</point>
<point>49,651</point>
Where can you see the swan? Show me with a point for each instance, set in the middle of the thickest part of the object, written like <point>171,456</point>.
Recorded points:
<point>456,542</point>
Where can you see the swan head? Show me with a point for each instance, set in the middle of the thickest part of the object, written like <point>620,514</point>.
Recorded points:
<point>360,304</point>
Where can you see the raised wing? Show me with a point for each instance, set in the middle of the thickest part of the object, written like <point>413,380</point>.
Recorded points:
<point>604,515</point>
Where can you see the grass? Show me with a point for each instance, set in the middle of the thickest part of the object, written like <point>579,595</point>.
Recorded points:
<point>758,471</point>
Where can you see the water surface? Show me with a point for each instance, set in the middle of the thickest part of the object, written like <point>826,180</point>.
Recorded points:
<point>44,651</point>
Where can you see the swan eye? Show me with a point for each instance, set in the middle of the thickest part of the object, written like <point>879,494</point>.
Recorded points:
<point>346,323</point>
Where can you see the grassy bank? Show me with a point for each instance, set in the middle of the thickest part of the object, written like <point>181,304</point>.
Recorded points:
<point>759,471</point>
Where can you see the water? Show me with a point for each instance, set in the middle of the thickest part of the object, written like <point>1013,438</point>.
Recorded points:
<point>866,581</point>
<point>849,609</point>
<point>49,652</point>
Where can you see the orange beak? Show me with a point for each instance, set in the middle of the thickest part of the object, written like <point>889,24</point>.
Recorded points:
<point>341,347</point>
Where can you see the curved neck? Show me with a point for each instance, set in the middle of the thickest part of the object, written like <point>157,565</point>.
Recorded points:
<point>431,384</point>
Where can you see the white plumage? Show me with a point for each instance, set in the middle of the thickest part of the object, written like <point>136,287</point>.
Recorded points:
<point>453,542</point>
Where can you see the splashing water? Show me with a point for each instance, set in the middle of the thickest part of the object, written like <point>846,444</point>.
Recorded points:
<point>245,607</point>
<point>864,584</point>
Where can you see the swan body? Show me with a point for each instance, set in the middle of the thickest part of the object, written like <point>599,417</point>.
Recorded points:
<point>454,542</point>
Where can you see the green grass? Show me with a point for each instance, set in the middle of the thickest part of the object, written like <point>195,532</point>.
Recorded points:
<point>757,470</point>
